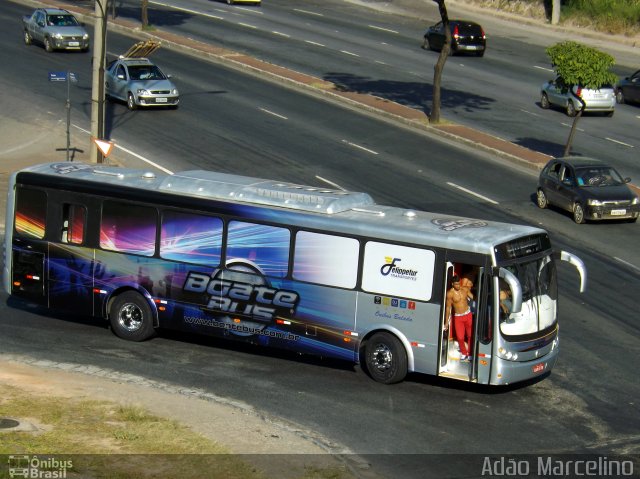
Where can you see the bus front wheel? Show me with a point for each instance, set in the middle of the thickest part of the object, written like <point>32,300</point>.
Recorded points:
<point>385,358</point>
<point>131,318</point>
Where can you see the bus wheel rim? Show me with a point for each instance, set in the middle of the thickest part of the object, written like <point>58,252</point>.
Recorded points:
<point>130,317</point>
<point>382,357</point>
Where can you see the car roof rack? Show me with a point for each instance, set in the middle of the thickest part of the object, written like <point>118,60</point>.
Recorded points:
<point>142,49</point>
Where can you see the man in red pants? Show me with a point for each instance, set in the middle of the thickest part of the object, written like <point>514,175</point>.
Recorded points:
<point>457,307</point>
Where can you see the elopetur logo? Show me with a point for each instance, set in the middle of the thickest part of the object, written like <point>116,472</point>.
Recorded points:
<point>390,268</point>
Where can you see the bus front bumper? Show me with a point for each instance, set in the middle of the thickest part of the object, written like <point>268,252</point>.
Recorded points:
<point>508,372</point>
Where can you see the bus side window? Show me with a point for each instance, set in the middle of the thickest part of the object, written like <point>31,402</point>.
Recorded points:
<point>73,224</point>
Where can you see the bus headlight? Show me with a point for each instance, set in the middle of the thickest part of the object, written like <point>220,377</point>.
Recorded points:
<point>504,354</point>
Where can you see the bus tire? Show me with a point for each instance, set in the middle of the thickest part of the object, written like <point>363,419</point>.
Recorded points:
<point>385,358</point>
<point>131,318</point>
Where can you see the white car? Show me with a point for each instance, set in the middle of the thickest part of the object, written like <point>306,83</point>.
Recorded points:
<point>140,83</point>
<point>556,93</point>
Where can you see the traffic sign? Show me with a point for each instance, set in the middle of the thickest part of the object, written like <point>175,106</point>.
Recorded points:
<point>62,76</point>
<point>104,146</point>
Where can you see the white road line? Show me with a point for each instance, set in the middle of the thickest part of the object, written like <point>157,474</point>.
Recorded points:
<point>335,185</point>
<point>247,25</point>
<point>126,150</point>
<point>627,263</point>
<point>188,10</point>
<point>281,34</point>
<point>569,126</point>
<point>360,147</point>
<point>274,114</point>
<point>349,53</point>
<point>543,68</point>
<point>383,29</point>
<point>381,63</point>
<point>618,142</point>
<point>314,43</point>
<point>529,112</point>
<point>461,188</point>
<point>308,12</point>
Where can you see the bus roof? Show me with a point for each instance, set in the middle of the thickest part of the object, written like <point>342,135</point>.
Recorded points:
<point>325,209</point>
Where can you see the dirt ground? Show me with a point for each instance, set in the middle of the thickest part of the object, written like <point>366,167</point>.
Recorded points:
<point>234,425</point>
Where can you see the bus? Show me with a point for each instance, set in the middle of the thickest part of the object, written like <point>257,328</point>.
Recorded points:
<point>314,270</point>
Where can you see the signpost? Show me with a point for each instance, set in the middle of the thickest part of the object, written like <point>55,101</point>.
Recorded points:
<point>66,77</point>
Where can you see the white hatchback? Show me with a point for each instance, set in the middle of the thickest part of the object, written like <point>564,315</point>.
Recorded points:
<point>556,93</point>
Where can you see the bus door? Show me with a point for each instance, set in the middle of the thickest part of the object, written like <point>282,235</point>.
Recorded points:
<point>460,348</point>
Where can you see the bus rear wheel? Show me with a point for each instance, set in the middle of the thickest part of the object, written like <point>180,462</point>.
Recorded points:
<point>131,318</point>
<point>385,358</point>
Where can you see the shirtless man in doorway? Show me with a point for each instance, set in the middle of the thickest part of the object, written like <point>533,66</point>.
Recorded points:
<point>457,307</point>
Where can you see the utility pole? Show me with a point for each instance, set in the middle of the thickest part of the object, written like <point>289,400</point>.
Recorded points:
<point>97,90</point>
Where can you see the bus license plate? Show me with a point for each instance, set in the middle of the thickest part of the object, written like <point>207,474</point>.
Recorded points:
<point>161,100</point>
<point>538,367</point>
<point>618,212</point>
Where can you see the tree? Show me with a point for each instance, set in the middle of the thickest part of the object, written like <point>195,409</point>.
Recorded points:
<point>145,15</point>
<point>555,12</point>
<point>584,66</point>
<point>439,66</point>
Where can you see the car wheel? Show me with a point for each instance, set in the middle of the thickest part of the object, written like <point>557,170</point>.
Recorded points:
<point>571,109</point>
<point>610,113</point>
<point>578,213</point>
<point>385,358</point>
<point>27,38</point>
<point>47,45</point>
<point>619,94</point>
<point>131,102</point>
<point>544,101</point>
<point>229,2</point>
<point>480,53</point>
<point>541,199</point>
<point>130,317</point>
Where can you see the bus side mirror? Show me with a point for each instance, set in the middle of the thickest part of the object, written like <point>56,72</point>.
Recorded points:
<point>514,286</point>
<point>577,262</point>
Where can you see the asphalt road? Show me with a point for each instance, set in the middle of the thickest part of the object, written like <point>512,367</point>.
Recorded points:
<point>589,403</point>
<point>368,51</point>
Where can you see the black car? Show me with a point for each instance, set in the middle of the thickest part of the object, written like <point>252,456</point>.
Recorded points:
<point>628,90</point>
<point>588,188</point>
<point>465,37</point>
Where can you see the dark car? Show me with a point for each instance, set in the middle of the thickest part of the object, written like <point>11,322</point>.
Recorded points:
<point>628,90</point>
<point>465,37</point>
<point>588,188</point>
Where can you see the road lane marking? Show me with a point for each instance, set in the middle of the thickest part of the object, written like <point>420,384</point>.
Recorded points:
<point>126,150</point>
<point>478,195</point>
<point>529,112</point>
<point>569,126</point>
<point>619,142</point>
<point>627,263</point>
<point>383,29</point>
<point>274,114</point>
<point>308,12</point>
<point>543,68</point>
<point>335,185</point>
<point>349,53</point>
<point>281,34</point>
<point>360,147</point>
<point>247,25</point>
<point>314,43</point>
<point>188,10</point>
<point>381,63</point>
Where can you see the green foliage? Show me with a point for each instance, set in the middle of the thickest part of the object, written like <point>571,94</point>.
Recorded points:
<point>582,65</point>
<point>615,16</point>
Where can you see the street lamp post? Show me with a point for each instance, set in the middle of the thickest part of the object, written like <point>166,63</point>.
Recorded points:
<point>97,90</point>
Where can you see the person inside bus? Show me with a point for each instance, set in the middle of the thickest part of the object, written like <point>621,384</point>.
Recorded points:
<point>457,308</point>
<point>505,303</point>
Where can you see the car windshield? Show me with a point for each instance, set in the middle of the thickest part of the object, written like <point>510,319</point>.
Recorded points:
<point>62,21</point>
<point>145,72</point>
<point>598,176</point>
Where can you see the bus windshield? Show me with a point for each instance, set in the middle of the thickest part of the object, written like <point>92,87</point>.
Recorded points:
<point>539,299</point>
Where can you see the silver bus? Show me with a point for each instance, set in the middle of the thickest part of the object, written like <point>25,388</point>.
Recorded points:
<point>314,270</point>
